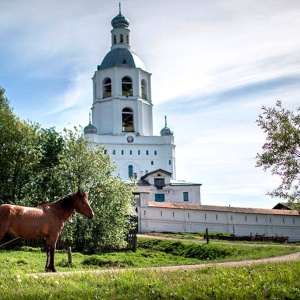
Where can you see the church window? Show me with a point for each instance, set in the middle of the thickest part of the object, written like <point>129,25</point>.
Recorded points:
<point>127,86</point>
<point>283,220</point>
<point>293,220</point>
<point>115,39</point>
<point>139,152</point>
<point>169,162</point>
<point>114,152</point>
<point>122,152</point>
<point>105,151</point>
<point>127,39</point>
<point>159,197</point>
<point>205,216</point>
<point>270,220</point>
<point>173,214</point>
<point>256,219</point>
<point>185,196</point>
<point>147,152</point>
<point>246,218</point>
<point>121,38</point>
<point>144,89</point>
<point>130,152</point>
<point>155,152</point>
<point>159,183</point>
<point>216,217</point>
<point>130,171</point>
<point>127,120</point>
<point>106,88</point>
<point>95,90</point>
<point>152,162</point>
<point>135,175</point>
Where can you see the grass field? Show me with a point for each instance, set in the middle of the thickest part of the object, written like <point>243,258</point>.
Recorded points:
<point>267,281</point>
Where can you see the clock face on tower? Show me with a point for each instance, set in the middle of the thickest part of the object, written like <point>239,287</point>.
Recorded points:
<point>130,139</point>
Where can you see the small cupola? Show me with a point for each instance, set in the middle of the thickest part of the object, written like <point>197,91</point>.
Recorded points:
<point>166,130</point>
<point>119,21</point>
<point>90,129</point>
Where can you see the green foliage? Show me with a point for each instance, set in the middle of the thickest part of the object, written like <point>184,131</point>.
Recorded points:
<point>18,153</point>
<point>41,165</point>
<point>281,152</point>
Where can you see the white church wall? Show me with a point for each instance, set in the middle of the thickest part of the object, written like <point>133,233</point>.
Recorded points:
<point>175,220</point>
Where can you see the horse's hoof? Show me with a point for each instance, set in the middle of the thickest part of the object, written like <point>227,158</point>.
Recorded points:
<point>51,270</point>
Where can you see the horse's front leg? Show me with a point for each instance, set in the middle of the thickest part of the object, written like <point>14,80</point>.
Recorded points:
<point>50,251</point>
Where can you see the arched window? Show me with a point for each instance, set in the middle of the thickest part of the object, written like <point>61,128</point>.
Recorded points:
<point>127,86</point>
<point>106,88</point>
<point>127,39</point>
<point>130,171</point>
<point>127,120</point>
<point>121,38</point>
<point>144,89</point>
<point>115,39</point>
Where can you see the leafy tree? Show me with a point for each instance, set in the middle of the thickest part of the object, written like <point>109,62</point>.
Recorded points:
<point>18,153</point>
<point>281,152</point>
<point>85,166</point>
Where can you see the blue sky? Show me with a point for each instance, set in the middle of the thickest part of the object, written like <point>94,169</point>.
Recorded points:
<point>213,64</point>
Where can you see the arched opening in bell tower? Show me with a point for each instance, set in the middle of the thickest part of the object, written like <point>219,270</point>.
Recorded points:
<point>127,120</point>
<point>106,87</point>
<point>144,88</point>
<point>126,86</point>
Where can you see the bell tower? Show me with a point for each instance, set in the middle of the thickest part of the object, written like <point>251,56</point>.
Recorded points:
<point>122,88</point>
<point>122,110</point>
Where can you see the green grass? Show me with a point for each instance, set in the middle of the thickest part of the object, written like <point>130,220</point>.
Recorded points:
<point>151,253</point>
<point>125,281</point>
<point>268,281</point>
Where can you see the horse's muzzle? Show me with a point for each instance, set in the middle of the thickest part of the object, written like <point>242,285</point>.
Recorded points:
<point>91,216</point>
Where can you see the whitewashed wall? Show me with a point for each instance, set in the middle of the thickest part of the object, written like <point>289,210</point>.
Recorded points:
<point>154,219</point>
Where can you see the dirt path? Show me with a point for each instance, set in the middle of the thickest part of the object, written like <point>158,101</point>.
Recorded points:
<point>278,259</point>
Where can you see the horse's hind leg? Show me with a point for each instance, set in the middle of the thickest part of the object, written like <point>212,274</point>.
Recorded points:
<point>4,223</point>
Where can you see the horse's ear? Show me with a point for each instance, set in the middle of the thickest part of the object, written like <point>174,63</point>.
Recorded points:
<point>80,192</point>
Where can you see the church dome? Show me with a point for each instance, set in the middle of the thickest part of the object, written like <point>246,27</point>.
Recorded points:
<point>119,21</point>
<point>166,130</point>
<point>90,129</point>
<point>121,57</point>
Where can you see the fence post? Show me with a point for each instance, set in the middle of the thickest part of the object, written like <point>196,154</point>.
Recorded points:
<point>207,237</point>
<point>70,255</point>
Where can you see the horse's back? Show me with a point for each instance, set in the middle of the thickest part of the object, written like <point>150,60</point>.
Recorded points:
<point>26,222</point>
<point>4,211</point>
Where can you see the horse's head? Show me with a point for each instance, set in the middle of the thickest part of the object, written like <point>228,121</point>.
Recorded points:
<point>81,204</point>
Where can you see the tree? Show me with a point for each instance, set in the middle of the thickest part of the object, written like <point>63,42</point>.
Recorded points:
<point>18,153</point>
<point>86,166</point>
<point>281,152</point>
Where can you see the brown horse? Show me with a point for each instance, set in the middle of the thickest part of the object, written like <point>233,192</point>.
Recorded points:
<point>45,221</point>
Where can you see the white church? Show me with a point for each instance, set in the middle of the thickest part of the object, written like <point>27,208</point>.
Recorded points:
<point>122,120</point>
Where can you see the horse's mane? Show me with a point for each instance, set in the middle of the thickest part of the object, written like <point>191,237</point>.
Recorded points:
<point>66,202</point>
